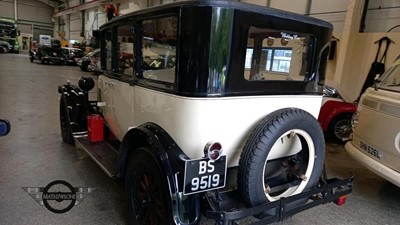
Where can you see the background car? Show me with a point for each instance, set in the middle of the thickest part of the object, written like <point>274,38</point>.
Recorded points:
<point>335,115</point>
<point>48,54</point>
<point>72,55</point>
<point>91,61</point>
<point>5,47</point>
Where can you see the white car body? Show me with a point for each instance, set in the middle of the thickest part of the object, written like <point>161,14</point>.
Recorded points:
<point>376,137</point>
<point>192,122</point>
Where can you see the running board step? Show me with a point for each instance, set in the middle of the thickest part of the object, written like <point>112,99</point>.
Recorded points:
<point>101,152</point>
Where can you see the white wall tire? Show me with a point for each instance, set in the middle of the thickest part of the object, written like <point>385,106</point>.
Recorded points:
<point>284,156</point>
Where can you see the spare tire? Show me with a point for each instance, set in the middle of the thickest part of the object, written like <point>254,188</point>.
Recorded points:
<point>283,156</point>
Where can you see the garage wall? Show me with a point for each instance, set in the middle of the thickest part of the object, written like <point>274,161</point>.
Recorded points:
<point>362,55</point>
<point>34,17</point>
<point>382,15</point>
<point>75,24</point>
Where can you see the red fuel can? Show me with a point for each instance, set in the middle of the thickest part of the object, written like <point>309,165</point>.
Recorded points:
<point>95,128</point>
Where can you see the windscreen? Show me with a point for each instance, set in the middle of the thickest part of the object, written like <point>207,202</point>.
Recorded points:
<point>391,79</point>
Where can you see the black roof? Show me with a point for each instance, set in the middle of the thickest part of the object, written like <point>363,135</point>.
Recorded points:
<point>229,5</point>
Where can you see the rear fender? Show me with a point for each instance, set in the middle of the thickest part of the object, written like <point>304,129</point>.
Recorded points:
<point>172,159</point>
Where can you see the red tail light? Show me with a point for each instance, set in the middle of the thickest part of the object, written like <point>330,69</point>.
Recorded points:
<point>213,150</point>
<point>341,200</point>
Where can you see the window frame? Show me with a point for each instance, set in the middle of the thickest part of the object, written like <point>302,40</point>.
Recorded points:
<point>158,84</point>
<point>238,85</point>
<point>117,68</point>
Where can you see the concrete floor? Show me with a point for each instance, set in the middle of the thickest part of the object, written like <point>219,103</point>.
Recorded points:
<point>33,155</point>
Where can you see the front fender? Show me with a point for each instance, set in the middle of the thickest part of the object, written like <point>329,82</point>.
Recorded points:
<point>331,109</point>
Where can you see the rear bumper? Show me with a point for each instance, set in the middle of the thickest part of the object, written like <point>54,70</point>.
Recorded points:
<point>327,191</point>
<point>373,165</point>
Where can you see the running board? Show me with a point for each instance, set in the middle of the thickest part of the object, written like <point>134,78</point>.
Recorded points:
<point>101,152</point>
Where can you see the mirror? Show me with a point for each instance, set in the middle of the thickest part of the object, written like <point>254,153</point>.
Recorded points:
<point>4,127</point>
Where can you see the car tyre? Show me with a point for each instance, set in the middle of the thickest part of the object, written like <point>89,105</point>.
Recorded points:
<point>65,123</point>
<point>263,177</point>
<point>340,129</point>
<point>146,189</point>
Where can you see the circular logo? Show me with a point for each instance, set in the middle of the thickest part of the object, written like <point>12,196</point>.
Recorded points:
<point>59,196</point>
<point>55,53</point>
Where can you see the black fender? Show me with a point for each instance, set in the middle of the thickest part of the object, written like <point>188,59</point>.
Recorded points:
<point>78,105</point>
<point>172,159</point>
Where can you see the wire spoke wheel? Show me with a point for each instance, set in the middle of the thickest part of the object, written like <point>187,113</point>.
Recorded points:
<point>146,187</point>
<point>340,128</point>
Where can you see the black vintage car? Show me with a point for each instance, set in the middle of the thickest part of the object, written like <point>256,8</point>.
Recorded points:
<point>48,54</point>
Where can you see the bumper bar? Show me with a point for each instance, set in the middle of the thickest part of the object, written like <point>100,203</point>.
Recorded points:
<point>326,191</point>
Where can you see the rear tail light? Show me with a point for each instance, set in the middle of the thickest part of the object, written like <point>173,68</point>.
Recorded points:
<point>213,150</point>
<point>341,200</point>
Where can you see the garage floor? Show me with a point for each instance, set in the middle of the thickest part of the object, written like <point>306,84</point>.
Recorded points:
<point>33,155</point>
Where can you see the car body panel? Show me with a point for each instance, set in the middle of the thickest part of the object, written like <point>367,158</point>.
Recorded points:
<point>332,107</point>
<point>185,118</point>
<point>376,135</point>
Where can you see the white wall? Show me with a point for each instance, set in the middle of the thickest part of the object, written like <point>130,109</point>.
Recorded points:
<point>362,55</point>
<point>298,6</point>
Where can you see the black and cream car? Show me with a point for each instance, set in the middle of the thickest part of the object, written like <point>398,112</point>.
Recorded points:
<point>216,114</point>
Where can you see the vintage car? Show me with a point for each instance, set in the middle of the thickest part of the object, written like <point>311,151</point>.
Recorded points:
<point>72,55</point>
<point>90,62</point>
<point>335,115</point>
<point>376,127</point>
<point>204,121</point>
<point>52,54</point>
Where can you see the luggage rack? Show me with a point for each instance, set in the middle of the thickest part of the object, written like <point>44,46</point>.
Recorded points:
<point>221,207</point>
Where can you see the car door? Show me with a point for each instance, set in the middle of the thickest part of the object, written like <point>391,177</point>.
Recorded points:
<point>122,107</point>
<point>116,91</point>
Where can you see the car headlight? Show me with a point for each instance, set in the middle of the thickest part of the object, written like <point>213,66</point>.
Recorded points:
<point>354,120</point>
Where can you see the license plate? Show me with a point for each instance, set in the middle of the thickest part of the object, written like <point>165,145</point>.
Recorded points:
<point>204,175</point>
<point>370,150</point>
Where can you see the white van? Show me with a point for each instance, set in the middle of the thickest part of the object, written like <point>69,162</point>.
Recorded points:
<point>376,127</point>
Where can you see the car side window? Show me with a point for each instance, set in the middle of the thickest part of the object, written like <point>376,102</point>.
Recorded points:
<point>159,41</point>
<point>125,49</point>
<point>108,49</point>
<point>276,55</point>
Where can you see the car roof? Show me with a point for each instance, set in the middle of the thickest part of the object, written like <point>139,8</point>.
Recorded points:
<point>241,6</point>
